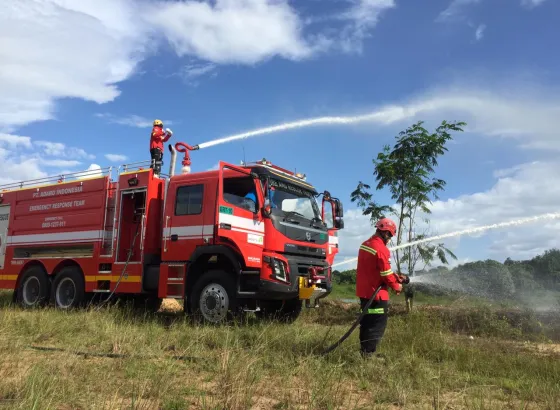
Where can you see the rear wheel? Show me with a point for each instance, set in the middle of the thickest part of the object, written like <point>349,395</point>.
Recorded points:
<point>68,290</point>
<point>213,298</point>
<point>33,289</point>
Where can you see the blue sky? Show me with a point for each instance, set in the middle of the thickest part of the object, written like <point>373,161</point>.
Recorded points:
<point>80,83</point>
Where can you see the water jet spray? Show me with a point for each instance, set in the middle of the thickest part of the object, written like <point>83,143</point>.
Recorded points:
<point>384,116</point>
<point>465,232</point>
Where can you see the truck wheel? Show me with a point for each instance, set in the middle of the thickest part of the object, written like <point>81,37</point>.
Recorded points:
<point>68,289</point>
<point>213,297</point>
<point>34,287</point>
<point>286,311</point>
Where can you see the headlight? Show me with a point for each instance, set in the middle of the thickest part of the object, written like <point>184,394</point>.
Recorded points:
<point>279,270</point>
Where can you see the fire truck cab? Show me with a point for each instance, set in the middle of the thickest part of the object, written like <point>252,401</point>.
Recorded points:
<point>240,238</point>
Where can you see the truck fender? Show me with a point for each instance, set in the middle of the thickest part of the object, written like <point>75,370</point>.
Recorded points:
<point>221,250</point>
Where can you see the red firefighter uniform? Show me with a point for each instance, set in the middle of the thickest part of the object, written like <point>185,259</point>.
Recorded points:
<point>156,140</point>
<point>374,269</point>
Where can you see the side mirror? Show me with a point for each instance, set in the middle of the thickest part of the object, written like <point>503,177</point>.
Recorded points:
<point>339,223</point>
<point>339,209</point>
<point>328,212</point>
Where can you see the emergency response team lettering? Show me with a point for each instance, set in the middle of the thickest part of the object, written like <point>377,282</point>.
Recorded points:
<point>4,217</point>
<point>60,191</point>
<point>57,205</point>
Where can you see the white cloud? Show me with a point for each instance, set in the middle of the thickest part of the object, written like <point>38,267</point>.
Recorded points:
<point>60,163</point>
<point>23,159</point>
<point>524,113</point>
<point>116,157</point>
<point>58,149</point>
<point>479,33</point>
<point>362,17</point>
<point>529,115</point>
<point>130,120</point>
<point>101,43</point>
<point>13,141</point>
<point>38,36</point>
<point>532,3</point>
<point>92,171</point>
<point>191,73</point>
<point>454,10</point>
<point>232,31</point>
<point>524,191</point>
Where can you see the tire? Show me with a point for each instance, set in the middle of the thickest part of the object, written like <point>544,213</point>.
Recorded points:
<point>286,311</point>
<point>213,298</point>
<point>68,290</point>
<point>34,288</point>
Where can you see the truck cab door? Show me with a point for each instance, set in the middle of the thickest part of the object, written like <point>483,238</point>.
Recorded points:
<point>184,217</point>
<point>238,217</point>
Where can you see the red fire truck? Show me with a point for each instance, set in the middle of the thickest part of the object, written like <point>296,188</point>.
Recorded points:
<point>240,238</point>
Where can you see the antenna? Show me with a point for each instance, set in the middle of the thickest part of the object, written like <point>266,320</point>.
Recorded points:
<point>244,160</point>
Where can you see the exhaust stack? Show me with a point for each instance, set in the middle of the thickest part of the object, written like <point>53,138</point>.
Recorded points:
<point>173,160</point>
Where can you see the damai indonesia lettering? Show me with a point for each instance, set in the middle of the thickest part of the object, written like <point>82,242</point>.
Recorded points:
<point>59,191</point>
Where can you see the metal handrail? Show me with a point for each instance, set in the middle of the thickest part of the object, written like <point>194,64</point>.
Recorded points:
<point>136,165</point>
<point>73,176</point>
<point>78,175</point>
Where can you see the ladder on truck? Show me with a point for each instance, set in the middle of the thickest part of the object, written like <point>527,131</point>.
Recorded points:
<point>110,229</point>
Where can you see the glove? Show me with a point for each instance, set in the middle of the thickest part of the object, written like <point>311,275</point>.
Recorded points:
<point>168,131</point>
<point>403,278</point>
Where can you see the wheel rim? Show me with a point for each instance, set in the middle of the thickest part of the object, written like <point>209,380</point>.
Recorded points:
<point>65,293</point>
<point>214,303</point>
<point>31,290</point>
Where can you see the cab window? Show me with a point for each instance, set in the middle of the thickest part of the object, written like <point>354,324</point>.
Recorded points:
<point>239,190</point>
<point>189,200</point>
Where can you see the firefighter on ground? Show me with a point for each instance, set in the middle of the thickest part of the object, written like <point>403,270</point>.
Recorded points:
<point>158,137</point>
<point>374,270</point>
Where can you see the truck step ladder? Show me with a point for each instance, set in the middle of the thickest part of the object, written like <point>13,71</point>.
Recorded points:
<point>175,281</point>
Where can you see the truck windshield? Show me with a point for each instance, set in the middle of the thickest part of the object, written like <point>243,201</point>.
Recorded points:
<point>292,199</point>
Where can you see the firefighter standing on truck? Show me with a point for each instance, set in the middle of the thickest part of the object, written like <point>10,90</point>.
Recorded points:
<point>374,270</point>
<point>157,138</point>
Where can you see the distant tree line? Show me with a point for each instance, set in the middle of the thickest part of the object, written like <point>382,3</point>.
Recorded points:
<point>489,278</point>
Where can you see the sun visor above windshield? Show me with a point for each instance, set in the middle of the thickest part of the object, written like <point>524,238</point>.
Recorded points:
<point>279,176</point>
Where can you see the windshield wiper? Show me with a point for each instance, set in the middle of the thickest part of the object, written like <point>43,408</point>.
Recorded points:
<point>294,213</point>
<point>287,216</point>
<point>316,218</point>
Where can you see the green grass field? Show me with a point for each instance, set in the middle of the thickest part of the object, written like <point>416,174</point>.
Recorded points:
<point>431,362</point>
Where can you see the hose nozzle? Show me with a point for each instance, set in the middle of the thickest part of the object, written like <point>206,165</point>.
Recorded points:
<point>404,279</point>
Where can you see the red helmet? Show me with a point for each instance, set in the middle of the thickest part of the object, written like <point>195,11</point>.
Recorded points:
<point>386,224</point>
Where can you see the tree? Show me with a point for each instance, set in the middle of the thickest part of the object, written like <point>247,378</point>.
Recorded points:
<point>547,268</point>
<point>407,171</point>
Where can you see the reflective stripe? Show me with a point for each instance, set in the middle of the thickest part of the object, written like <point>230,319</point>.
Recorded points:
<point>376,311</point>
<point>386,272</point>
<point>368,249</point>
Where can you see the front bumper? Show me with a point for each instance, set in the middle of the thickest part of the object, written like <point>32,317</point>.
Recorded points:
<point>299,286</point>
